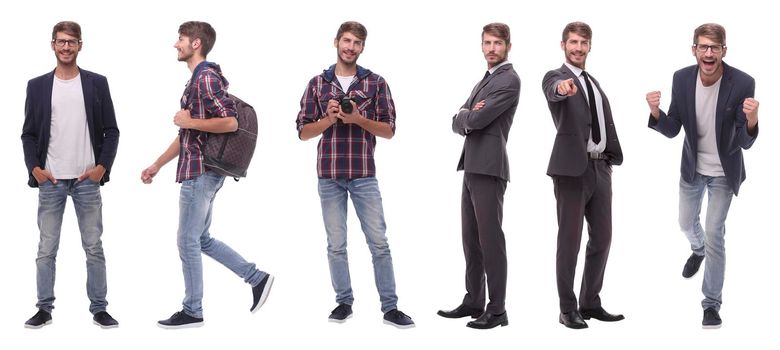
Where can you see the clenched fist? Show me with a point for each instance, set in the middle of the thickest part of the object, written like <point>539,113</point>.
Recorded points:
<point>750,107</point>
<point>654,101</point>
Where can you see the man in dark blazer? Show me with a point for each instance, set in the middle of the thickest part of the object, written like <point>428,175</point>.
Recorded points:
<point>70,139</point>
<point>485,120</point>
<point>714,103</point>
<point>586,146</point>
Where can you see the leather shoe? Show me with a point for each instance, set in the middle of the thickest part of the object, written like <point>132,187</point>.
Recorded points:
<point>489,320</point>
<point>600,314</point>
<point>461,311</point>
<point>572,320</point>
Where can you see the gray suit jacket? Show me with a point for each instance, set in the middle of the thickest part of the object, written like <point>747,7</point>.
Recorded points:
<point>731,132</point>
<point>487,130</point>
<point>572,119</point>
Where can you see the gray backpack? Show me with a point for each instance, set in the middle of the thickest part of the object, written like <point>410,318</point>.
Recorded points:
<point>229,153</point>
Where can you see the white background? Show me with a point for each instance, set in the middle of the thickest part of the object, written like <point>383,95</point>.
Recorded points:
<point>429,52</point>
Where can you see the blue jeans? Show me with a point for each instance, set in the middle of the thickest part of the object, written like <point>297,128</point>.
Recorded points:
<point>196,201</point>
<point>368,205</point>
<point>89,205</point>
<point>710,241</point>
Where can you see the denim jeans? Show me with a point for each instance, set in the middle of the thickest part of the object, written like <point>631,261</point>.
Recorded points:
<point>368,205</point>
<point>710,241</point>
<point>196,201</point>
<point>51,206</point>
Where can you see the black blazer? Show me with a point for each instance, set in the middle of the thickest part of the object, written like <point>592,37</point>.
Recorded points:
<point>487,130</point>
<point>731,132</point>
<point>572,119</point>
<point>101,121</point>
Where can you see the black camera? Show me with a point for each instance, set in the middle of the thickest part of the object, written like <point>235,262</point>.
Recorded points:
<point>345,104</point>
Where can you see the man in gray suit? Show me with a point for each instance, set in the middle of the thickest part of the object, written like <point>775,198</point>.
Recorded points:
<point>586,146</point>
<point>714,103</point>
<point>485,120</point>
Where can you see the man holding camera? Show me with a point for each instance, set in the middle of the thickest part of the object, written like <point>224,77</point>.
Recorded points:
<point>485,120</point>
<point>349,106</point>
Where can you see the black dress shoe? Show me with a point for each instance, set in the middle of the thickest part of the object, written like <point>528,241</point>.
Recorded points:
<point>489,320</point>
<point>572,320</point>
<point>600,314</point>
<point>461,311</point>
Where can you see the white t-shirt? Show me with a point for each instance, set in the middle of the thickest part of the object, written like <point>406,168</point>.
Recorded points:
<point>70,148</point>
<point>707,158</point>
<point>345,82</point>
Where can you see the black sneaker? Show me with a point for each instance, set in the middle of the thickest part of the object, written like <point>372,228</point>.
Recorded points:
<point>260,292</point>
<point>398,319</point>
<point>711,319</point>
<point>104,320</point>
<point>180,320</point>
<point>40,319</point>
<point>692,265</point>
<point>341,313</point>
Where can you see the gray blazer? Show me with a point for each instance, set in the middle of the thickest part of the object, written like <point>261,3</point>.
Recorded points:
<point>731,132</point>
<point>487,130</point>
<point>572,119</point>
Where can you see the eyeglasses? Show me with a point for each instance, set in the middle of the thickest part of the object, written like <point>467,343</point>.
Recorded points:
<point>715,48</point>
<point>63,42</point>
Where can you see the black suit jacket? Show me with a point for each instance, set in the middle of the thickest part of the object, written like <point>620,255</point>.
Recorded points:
<point>731,132</point>
<point>572,119</point>
<point>487,130</point>
<point>103,131</point>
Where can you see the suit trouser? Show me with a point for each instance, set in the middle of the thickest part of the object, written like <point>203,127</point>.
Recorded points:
<point>484,247</point>
<point>590,196</point>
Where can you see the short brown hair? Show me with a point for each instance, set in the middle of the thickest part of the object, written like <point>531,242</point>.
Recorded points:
<point>499,30</point>
<point>580,28</point>
<point>199,30</point>
<point>71,28</point>
<point>353,27</point>
<point>712,31</point>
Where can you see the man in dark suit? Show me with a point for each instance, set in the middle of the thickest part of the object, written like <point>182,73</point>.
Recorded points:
<point>714,103</point>
<point>70,140</point>
<point>586,146</point>
<point>485,120</point>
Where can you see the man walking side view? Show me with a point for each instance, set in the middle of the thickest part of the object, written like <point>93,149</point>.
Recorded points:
<point>205,108</point>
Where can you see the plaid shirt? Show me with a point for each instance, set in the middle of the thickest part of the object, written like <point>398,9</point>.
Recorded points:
<point>347,150</point>
<point>212,102</point>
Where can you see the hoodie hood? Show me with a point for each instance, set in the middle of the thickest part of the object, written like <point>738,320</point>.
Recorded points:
<point>211,66</point>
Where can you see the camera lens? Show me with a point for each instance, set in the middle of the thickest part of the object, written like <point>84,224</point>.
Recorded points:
<point>346,106</point>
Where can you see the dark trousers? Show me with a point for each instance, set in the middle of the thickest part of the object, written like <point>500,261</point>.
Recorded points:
<point>590,196</point>
<point>482,211</point>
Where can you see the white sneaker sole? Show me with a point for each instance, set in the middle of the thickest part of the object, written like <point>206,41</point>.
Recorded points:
<point>398,325</point>
<point>188,325</point>
<point>266,291</point>
<point>38,326</point>
<point>711,327</point>
<point>105,327</point>
<point>339,321</point>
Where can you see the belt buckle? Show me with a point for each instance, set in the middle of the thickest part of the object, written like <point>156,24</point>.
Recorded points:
<point>596,155</point>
